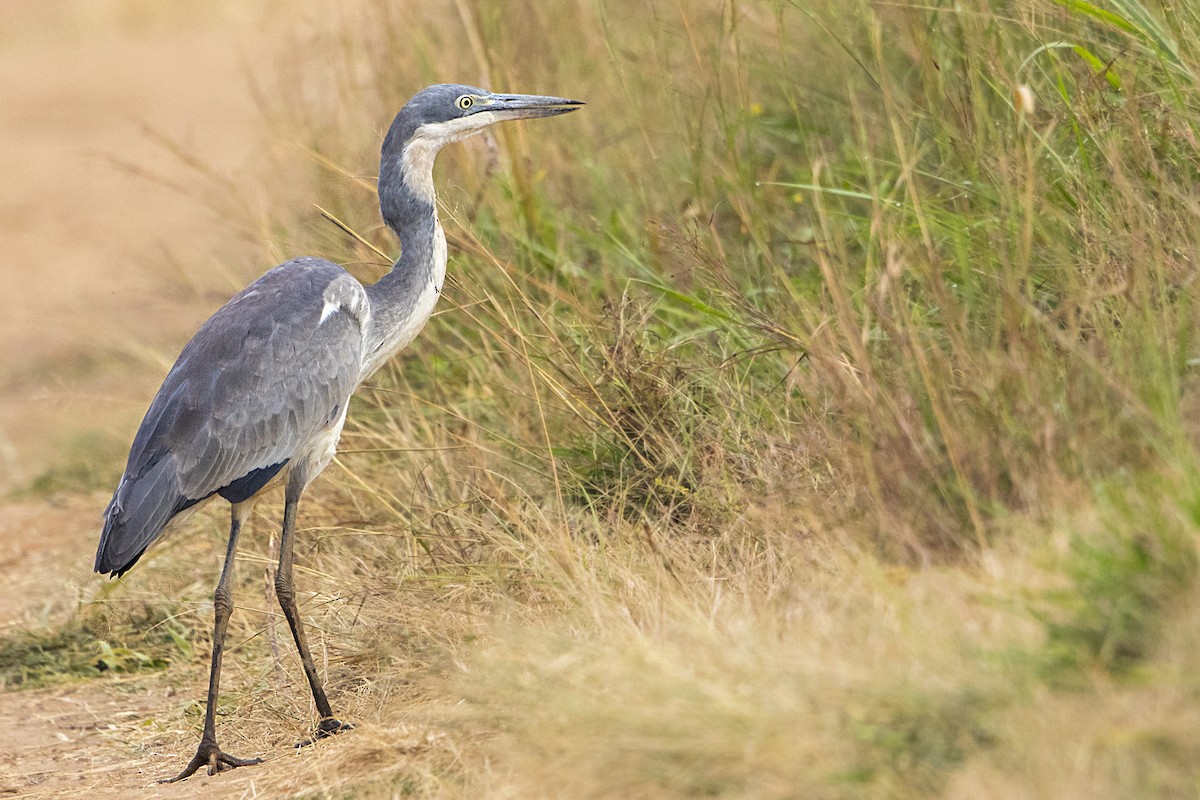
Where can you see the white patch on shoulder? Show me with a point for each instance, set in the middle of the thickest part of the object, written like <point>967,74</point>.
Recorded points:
<point>346,294</point>
<point>330,308</point>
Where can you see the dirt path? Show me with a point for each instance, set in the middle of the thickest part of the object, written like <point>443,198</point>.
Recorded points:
<point>115,737</point>
<point>105,273</point>
<point>87,742</point>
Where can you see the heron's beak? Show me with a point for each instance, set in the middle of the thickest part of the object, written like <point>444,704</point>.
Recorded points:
<point>527,106</point>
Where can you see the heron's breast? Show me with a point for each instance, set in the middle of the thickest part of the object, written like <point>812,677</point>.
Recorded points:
<point>440,256</point>
<point>347,295</point>
<point>323,447</point>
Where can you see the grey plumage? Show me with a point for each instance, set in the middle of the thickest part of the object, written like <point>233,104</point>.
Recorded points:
<point>262,389</point>
<point>261,378</point>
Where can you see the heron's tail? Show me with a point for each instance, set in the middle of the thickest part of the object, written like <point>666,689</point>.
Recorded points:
<point>140,509</point>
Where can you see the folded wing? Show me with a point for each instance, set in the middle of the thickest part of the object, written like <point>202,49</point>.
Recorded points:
<point>253,389</point>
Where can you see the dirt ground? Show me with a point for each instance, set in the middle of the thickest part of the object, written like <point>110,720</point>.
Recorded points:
<point>94,258</point>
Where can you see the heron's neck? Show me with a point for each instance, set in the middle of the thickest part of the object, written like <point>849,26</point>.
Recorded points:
<point>403,299</point>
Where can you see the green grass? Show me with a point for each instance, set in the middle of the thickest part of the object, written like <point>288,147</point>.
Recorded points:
<point>85,463</point>
<point>802,419</point>
<point>93,642</point>
<point>1123,581</point>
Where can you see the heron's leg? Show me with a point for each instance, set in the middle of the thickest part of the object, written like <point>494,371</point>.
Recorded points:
<point>286,593</point>
<point>208,754</point>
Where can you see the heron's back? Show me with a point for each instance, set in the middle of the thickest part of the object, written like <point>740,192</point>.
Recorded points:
<point>258,383</point>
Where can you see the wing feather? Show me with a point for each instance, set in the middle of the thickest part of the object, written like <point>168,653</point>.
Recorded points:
<point>258,382</point>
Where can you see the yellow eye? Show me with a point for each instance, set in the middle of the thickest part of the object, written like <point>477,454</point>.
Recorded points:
<point>465,102</point>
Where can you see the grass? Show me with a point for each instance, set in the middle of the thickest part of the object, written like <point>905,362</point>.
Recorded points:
<point>804,418</point>
<point>85,463</point>
<point>93,642</point>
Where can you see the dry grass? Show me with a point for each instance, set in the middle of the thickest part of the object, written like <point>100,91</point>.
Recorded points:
<point>802,420</point>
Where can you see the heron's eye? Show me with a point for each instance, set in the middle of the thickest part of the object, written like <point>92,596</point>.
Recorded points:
<point>465,102</point>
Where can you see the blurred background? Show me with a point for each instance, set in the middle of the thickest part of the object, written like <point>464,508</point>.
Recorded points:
<point>813,414</point>
<point>110,253</point>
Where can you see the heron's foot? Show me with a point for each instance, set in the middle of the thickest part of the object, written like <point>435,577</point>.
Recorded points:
<point>326,728</point>
<point>208,754</point>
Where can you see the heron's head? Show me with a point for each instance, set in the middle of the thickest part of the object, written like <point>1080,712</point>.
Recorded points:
<point>436,116</point>
<point>447,112</point>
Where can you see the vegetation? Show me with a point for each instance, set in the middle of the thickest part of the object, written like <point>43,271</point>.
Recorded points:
<point>126,638</point>
<point>812,415</point>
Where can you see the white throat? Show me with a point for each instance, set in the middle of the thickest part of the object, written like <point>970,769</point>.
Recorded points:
<point>416,161</point>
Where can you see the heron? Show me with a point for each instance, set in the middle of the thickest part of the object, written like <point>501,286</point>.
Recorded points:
<point>259,395</point>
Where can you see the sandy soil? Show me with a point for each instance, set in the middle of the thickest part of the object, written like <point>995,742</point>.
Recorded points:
<point>105,274</point>
<point>93,251</point>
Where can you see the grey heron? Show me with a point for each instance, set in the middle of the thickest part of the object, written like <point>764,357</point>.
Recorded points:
<point>260,393</point>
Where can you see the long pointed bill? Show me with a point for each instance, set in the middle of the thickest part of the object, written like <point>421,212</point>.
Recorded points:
<point>527,106</point>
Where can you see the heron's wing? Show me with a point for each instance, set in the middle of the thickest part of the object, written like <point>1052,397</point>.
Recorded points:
<point>259,381</point>
<point>275,376</point>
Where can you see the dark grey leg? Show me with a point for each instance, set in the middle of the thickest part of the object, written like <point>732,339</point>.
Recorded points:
<point>284,590</point>
<point>208,753</point>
